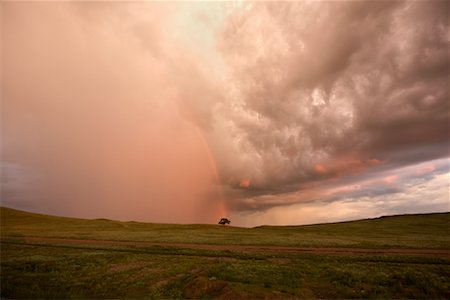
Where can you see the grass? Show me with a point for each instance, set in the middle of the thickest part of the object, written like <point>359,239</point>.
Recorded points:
<point>98,271</point>
<point>408,231</point>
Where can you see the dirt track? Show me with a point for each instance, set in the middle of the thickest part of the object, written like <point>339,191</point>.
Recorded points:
<point>233,248</point>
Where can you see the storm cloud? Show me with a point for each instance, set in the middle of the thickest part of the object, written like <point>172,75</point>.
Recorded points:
<point>268,112</point>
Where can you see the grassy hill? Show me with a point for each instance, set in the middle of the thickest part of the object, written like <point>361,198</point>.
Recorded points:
<point>404,231</point>
<point>54,257</point>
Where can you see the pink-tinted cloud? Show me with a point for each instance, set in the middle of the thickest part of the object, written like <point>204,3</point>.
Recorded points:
<point>245,183</point>
<point>185,112</point>
<point>91,105</point>
<point>390,179</point>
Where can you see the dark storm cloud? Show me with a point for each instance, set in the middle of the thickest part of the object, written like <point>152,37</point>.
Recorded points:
<point>322,88</point>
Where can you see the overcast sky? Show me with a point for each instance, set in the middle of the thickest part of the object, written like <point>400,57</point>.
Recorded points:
<point>265,113</point>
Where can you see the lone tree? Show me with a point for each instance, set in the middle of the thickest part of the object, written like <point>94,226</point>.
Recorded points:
<point>224,221</point>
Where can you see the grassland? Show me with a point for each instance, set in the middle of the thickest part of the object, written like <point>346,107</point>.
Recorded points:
<point>392,257</point>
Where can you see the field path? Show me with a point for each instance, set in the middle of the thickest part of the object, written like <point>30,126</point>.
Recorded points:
<point>30,240</point>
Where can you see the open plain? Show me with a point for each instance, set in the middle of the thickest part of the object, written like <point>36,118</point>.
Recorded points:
<point>390,257</point>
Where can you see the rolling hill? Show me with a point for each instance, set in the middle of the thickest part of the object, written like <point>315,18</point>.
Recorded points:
<point>45,257</point>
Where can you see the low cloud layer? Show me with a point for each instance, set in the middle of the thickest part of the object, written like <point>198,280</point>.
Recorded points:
<point>186,112</point>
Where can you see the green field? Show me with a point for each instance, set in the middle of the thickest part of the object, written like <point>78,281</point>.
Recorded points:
<point>391,257</point>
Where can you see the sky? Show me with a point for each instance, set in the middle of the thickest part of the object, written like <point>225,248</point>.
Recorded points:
<point>262,112</point>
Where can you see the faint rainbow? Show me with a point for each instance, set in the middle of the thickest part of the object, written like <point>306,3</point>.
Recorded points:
<point>222,210</point>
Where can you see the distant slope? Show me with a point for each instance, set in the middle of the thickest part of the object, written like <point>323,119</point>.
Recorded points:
<point>404,231</point>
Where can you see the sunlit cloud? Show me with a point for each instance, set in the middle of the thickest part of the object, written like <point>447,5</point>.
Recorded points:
<point>245,183</point>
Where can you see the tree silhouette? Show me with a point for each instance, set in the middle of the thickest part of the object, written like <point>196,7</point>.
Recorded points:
<point>224,221</point>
